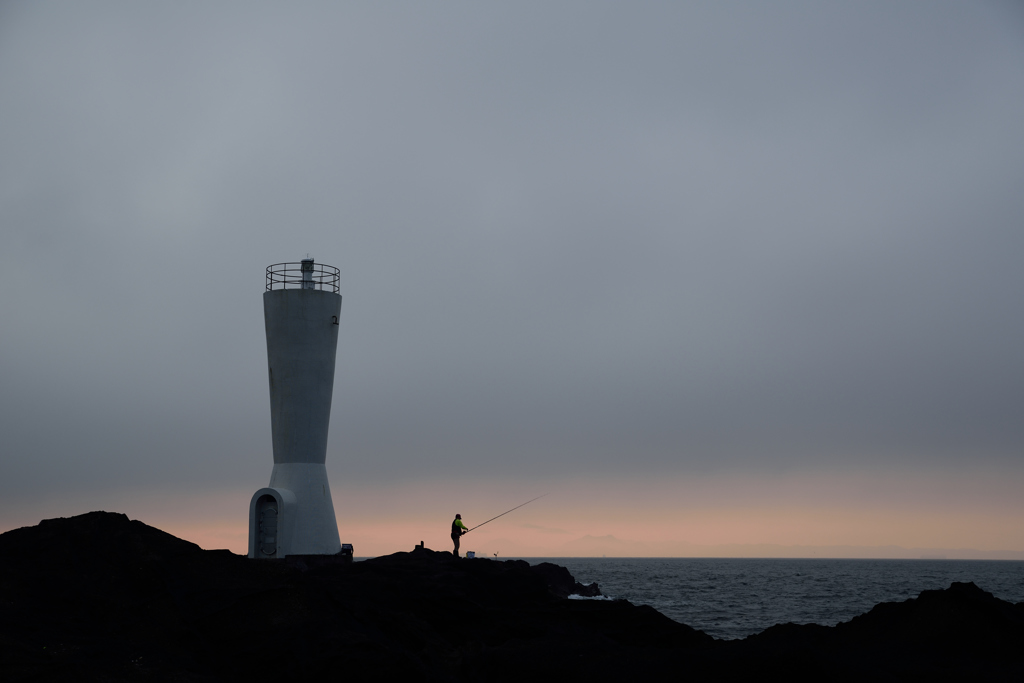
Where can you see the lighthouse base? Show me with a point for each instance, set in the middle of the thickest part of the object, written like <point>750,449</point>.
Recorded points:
<point>294,515</point>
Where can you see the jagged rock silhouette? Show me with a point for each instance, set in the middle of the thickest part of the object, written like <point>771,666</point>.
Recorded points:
<point>101,597</point>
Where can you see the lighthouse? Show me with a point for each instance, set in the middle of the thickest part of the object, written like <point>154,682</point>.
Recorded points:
<point>294,515</point>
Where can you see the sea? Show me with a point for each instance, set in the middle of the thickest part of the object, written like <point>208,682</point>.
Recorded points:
<point>734,598</point>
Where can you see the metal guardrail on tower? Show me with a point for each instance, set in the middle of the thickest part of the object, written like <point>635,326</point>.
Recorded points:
<point>303,275</point>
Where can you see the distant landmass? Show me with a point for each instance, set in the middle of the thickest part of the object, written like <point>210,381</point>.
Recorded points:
<point>610,546</point>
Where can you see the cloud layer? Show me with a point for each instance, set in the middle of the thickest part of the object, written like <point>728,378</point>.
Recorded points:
<point>584,239</point>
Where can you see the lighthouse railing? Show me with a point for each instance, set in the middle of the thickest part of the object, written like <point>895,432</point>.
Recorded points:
<point>292,276</point>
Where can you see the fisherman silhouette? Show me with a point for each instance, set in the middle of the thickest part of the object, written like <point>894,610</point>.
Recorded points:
<point>458,528</point>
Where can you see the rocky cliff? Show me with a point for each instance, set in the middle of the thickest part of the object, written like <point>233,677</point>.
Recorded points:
<point>101,597</point>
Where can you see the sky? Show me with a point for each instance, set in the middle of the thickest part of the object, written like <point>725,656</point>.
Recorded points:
<point>728,278</point>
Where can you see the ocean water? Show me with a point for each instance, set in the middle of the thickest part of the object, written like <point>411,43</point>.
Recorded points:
<point>734,598</point>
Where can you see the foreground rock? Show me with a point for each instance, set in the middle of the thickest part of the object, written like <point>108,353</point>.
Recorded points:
<point>99,597</point>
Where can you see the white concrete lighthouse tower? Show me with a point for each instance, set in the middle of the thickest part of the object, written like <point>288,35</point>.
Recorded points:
<point>294,515</point>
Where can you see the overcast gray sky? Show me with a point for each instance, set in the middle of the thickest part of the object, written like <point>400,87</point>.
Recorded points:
<point>609,238</point>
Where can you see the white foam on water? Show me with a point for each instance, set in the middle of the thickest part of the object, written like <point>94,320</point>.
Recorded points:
<point>574,596</point>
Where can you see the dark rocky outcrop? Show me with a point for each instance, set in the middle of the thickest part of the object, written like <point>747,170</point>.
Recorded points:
<point>100,597</point>
<point>961,633</point>
<point>561,583</point>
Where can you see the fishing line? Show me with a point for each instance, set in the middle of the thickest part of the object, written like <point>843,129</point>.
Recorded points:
<point>505,513</point>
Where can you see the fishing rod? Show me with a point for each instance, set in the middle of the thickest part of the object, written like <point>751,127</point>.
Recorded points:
<point>505,513</point>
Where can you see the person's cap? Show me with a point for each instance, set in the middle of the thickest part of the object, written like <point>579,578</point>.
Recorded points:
<point>458,516</point>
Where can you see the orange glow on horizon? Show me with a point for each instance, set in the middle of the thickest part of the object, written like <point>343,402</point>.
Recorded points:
<point>723,515</point>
